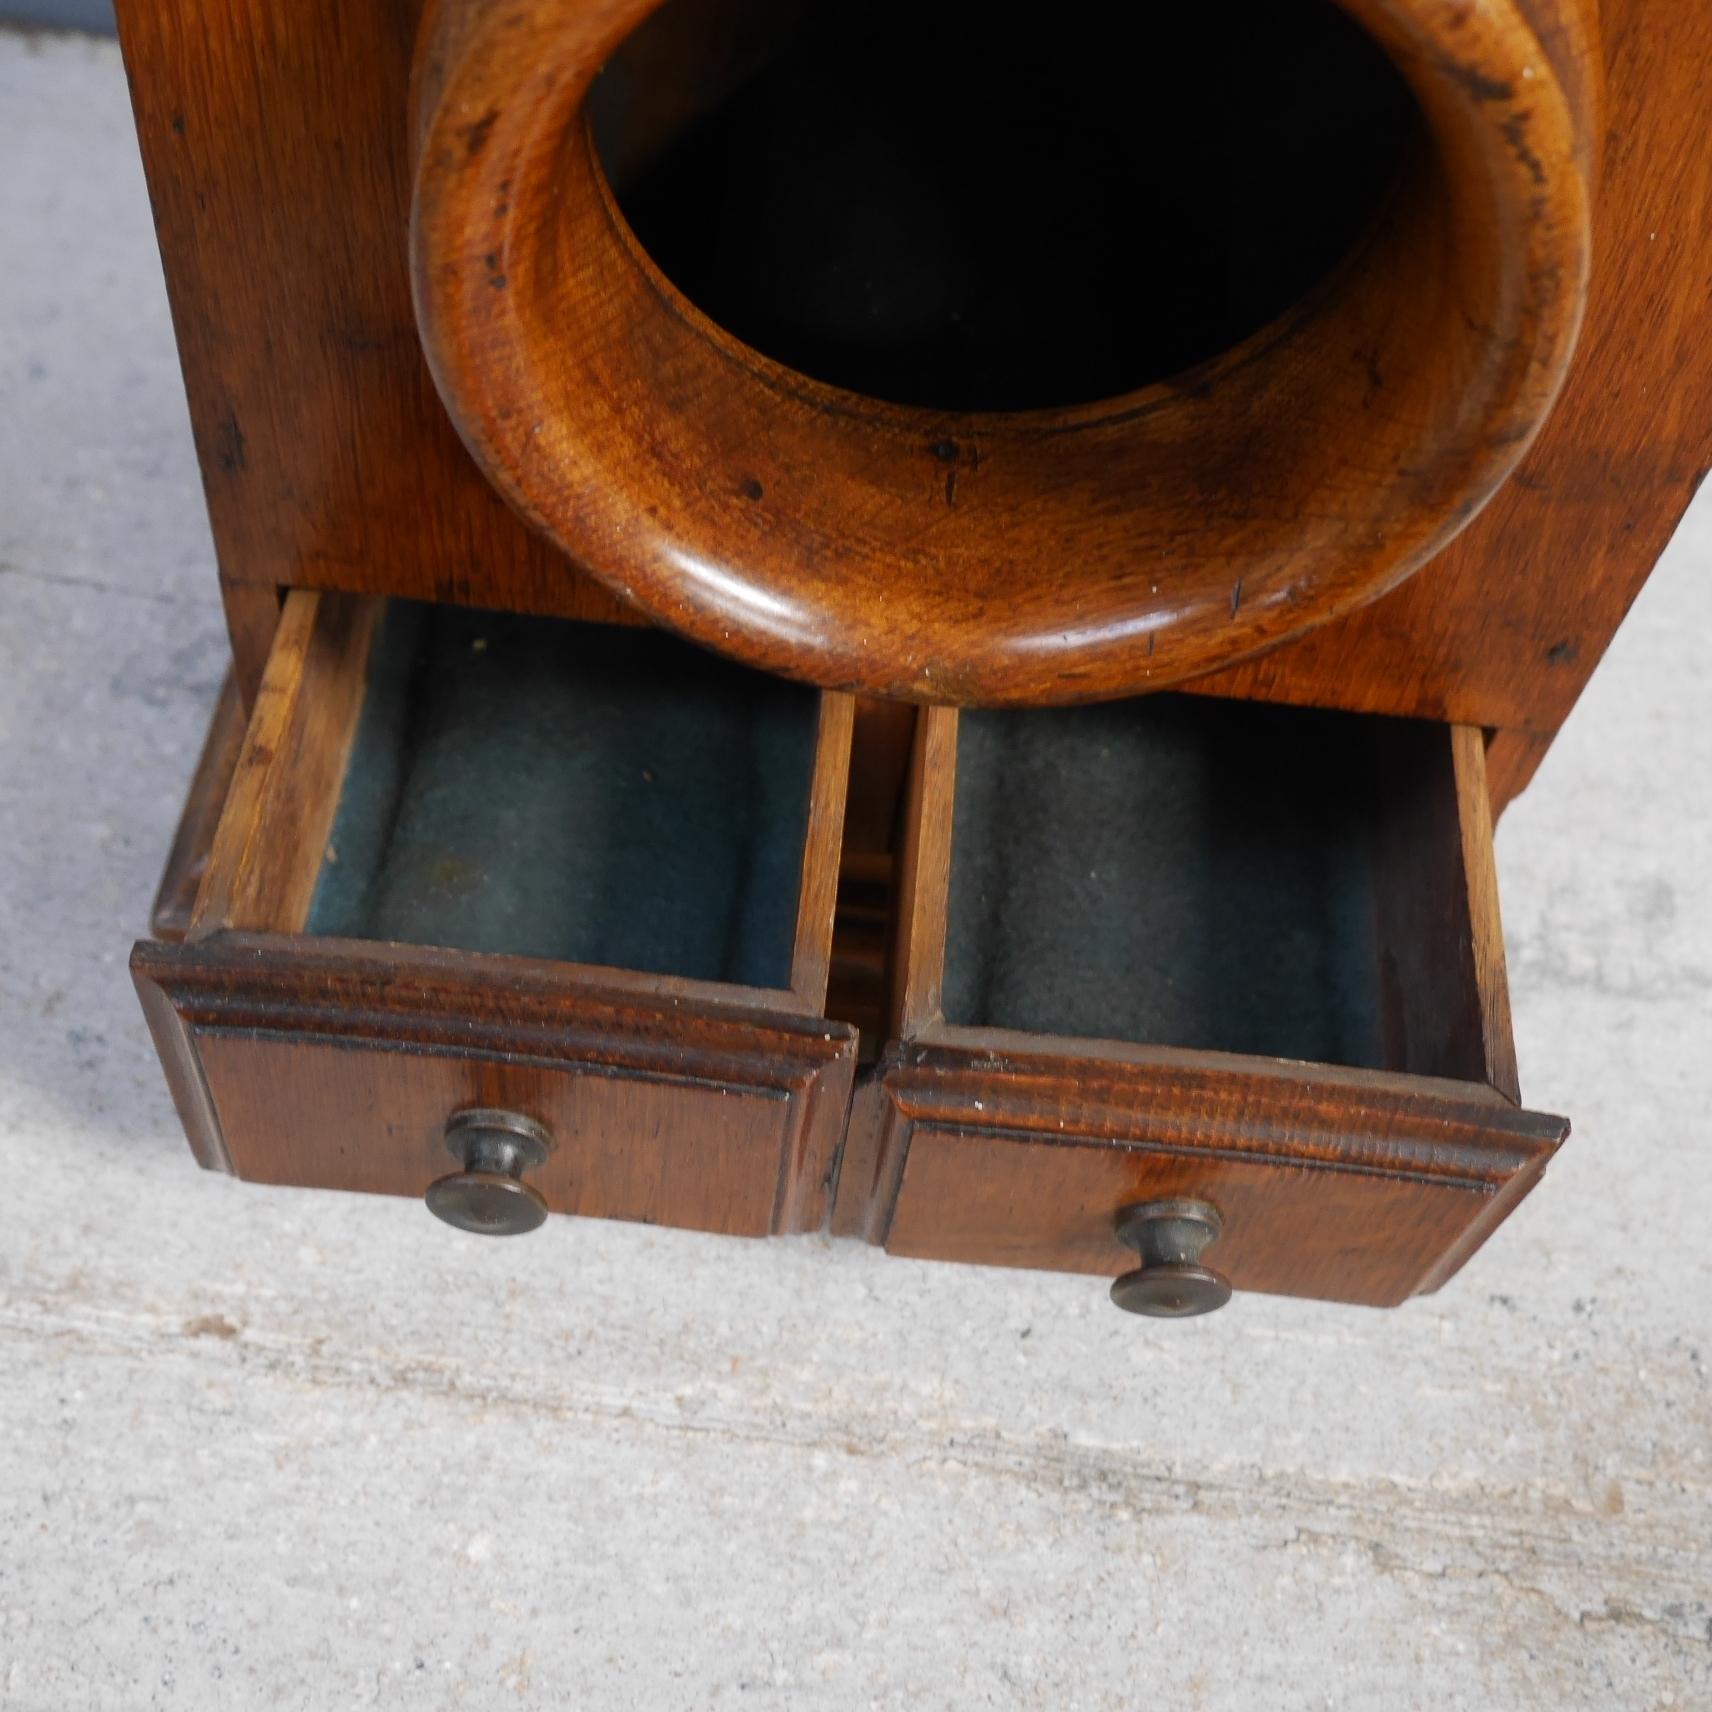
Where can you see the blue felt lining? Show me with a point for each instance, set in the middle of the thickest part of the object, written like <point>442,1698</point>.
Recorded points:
<point>1174,871</point>
<point>592,794</point>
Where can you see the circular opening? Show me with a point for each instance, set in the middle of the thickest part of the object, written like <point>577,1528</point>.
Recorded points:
<point>947,207</point>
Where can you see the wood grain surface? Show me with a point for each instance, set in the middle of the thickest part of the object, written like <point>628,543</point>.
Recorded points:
<point>1355,1186</point>
<point>312,1060</point>
<point>945,1485</point>
<point>1025,556</point>
<point>272,835</point>
<point>334,1064</point>
<point>276,154</point>
<point>1003,1148</point>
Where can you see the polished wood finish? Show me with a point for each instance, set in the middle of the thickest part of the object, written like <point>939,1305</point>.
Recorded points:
<point>1026,556</point>
<point>932,554</point>
<point>334,1064</point>
<point>300,1059</point>
<point>276,154</point>
<point>1004,1148</point>
<point>1505,627</point>
<point>1016,1151</point>
<point>273,138</point>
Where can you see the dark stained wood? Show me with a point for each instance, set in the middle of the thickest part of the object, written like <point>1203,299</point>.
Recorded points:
<point>991,1146</point>
<point>297,1059</point>
<point>856,990</point>
<point>188,859</point>
<point>1505,627</point>
<point>274,142</point>
<point>176,1047</point>
<point>1285,487</point>
<point>1348,1185</point>
<point>898,550</point>
<point>276,155</point>
<point>336,1064</point>
<point>879,764</point>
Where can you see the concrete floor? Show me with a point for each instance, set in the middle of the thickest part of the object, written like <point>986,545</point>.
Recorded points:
<point>272,1448</point>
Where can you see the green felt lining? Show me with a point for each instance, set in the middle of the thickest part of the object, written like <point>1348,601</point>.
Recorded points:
<point>591,794</point>
<point>1175,871</point>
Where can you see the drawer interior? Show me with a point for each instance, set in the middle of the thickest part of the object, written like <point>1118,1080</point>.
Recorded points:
<point>1180,871</point>
<point>493,783</point>
<point>585,793</point>
<point>1184,948</point>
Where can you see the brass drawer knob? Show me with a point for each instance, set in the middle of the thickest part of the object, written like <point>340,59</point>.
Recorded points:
<point>1171,1283</point>
<point>488,1196</point>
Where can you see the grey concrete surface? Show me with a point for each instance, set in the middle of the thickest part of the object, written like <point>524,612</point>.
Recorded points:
<point>266,1448</point>
<point>92,15</point>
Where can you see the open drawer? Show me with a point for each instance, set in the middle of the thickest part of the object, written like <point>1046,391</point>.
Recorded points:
<point>1187,950</point>
<point>549,901</point>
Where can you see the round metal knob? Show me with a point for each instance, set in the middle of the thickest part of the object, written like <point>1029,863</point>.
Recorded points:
<point>488,1196</point>
<point>1171,1283</point>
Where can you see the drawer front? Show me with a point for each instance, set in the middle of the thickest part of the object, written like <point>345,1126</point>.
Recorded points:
<point>1341,1185</point>
<point>336,1066</point>
<point>615,866</point>
<point>1188,952</point>
<point>625,1146</point>
<point>1290,1229</point>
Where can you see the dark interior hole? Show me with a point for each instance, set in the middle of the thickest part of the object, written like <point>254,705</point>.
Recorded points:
<point>973,205</point>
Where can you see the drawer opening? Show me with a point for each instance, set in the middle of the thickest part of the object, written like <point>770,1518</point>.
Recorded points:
<point>479,861</point>
<point>1180,871</point>
<point>584,793</point>
<point>594,795</point>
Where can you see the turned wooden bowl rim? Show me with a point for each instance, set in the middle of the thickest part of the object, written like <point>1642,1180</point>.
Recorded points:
<point>1029,557</point>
